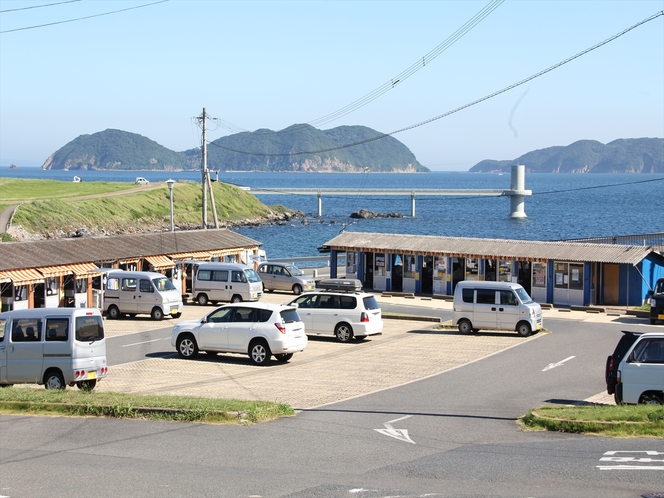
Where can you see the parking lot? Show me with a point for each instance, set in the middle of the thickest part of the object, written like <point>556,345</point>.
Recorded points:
<point>326,372</point>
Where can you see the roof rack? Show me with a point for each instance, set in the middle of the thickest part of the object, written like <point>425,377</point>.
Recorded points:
<point>341,285</point>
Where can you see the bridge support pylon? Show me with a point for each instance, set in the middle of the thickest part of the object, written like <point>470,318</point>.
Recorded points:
<point>518,192</point>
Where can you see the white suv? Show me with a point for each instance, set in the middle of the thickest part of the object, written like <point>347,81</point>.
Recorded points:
<point>342,314</point>
<point>640,377</point>
<point>257,329</point>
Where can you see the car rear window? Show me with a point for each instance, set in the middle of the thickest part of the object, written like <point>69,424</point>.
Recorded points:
<point>89,328</point>
<point>348,303</point>
<point>467,295</point>
<point>290,316</point>
<point>370,303</point>
<point>264,315</point>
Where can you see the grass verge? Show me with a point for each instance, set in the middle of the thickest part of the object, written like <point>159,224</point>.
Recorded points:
<point>74,403</point>
<point>601,420</point>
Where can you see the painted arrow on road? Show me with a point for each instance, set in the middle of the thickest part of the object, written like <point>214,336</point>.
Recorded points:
<point>554,365</point>
<point>400,434</point>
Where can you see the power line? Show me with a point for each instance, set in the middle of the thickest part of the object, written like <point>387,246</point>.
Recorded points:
<point>38,6</point>
<point>399,78</point>
<point>453,111</point>
<point>82,18</point>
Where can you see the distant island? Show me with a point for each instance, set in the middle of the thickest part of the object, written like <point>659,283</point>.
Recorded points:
<point>626,155</point>
<point>298,148</point>
<point>303,148</point>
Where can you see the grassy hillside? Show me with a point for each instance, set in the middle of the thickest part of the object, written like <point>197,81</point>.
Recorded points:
<point>48,207</point>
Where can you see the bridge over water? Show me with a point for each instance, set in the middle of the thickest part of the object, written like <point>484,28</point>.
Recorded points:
<point>517,192</point>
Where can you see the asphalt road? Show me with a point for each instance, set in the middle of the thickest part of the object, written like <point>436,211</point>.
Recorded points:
<point>452,434</point>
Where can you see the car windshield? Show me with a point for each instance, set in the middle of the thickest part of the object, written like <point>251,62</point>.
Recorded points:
<point>659,288</point>
<point>163,284</point>
<point>523,295</point>
<point>295,271</point>
<point>252,276</point>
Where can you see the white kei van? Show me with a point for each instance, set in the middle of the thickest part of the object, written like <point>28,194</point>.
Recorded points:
<point>55,347</point>
<point>641,371</point>
<point>495,306</point>
<point>141,292</point>
<point>229,282</point>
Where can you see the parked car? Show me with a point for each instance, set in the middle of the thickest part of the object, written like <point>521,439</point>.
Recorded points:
<point>657,302</point>
<point>342,314</point>
<point>640,374</point>
<point>141,181</point>
<point>284,277</point>
<point>611,371</point>
<point>257,329</point>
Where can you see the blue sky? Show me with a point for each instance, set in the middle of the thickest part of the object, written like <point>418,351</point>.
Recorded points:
<point>273,64</point>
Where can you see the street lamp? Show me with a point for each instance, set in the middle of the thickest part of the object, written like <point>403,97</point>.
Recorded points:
<point>170,183</point>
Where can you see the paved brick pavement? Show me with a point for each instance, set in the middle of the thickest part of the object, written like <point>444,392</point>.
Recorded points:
<point>327,371</point>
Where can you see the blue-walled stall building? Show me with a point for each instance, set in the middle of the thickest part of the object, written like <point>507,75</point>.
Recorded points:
<point>560,273</point>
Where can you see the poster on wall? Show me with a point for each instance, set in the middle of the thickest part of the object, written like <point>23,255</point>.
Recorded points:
<point>538,276</point>
<point>559,278</point>
<point>379,262</point>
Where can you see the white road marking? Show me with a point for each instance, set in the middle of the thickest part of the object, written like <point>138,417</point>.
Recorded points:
<point>554,365</point>
<point>612,456</point>
<point>400,434</point>
<point>144,342</point>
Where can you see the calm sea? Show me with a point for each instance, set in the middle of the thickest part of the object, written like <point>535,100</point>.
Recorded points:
<point>563,206</point>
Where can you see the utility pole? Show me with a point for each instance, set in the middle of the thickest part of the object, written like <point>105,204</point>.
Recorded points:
<point>204,171</point>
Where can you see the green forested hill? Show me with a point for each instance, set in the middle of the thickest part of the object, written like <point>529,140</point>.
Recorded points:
<point>628,155</point>
<point>262,150</point>
<point>281,151</point>
<point>115,149</point>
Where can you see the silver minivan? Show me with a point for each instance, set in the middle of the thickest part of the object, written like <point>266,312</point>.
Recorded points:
<point>55,347</point>
<point>285,277</point>
<point>495,306</point>
<point>228,282</point>
<point>141,292</point>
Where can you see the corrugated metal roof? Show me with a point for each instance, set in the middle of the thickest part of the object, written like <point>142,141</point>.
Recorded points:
<point>523,250</point>
<point>60,252</point>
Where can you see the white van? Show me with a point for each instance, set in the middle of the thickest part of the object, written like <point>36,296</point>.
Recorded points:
<point>56,347</point>
<point>640,376</point>
<point>232,282</point>
<point>141,292</point>
<point>495,306</point>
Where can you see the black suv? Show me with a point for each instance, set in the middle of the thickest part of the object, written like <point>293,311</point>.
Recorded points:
<point>613,361</point>
<point>657,302</point>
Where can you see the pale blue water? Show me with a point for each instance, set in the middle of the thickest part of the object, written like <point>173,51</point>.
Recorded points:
<point>628,204</point>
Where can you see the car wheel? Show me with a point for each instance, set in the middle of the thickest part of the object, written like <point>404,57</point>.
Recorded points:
<point>343,332</point>
<point>53,379</point>
<point>259,352</point>
<point>157,313</point>
<point>465,327</point>
<point>202,299</point>
<point>297,289</point>
<point>651,399</point>
<point>113,312</point>
<point>284,357</point>
<point>187,347</point>
<point>236,299</point>
<point>87,385</point>
<point>523,329</point>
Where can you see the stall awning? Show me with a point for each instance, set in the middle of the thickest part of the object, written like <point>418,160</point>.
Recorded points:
<point>194,256</point>
<point>160,262</point>
<point>54,271</point>
<point>22,277</point>
<point>83,269</point>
